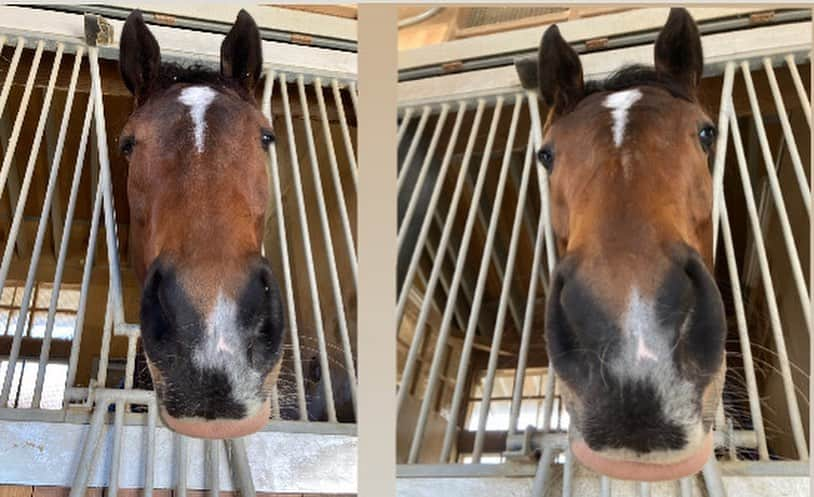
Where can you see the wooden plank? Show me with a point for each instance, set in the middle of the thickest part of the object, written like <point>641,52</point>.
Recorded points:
<point>15,491</point>
<point>528,39</point>
<point>345,11</point>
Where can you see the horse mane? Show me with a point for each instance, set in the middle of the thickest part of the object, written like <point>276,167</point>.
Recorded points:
<point>637,75</point>
<point>171,73</point>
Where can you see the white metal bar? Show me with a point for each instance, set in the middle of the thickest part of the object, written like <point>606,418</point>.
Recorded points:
<point>118,425</point>
<point>405,122</point>
<point>568,473</point>
<point>802,93</point>
<point>445,235</point>
<point>274,173</point>
<point>18,218</point>
<point>720,150</point>
<point>213,458</point>
<point>181,464</point>
<point>408,159</point>
<point>604,486</point>
<point>7,159</point>
<point>644,489</point>
<point>712,478</point>
<point>328,240</point>
<point>685,486</point>
<point>771,299</point>
<point>12,70</point>
<point>443,333</point>
<point>108,212</point>
<point>353,91</point>
<point>343,123</point>
<point>497,333</point>
<point>791,143</point>
<point>542,182</point>
<point>239,462</point>
<point>777,195</point>
<point>525,336</point>
<point>50,189</point>
<point>340,194</point>
<point>104,352</point>
<point>743,334</point>
<point>90,451</point>
<point>90,254</point>
<point>309,261</point>
<point>415,193</point>
<point>149,463</point>
<point>538,485</point>
<point>460,263</point>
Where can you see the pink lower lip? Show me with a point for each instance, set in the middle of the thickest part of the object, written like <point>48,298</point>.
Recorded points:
<point>641,471</point>
<point>220,428</point>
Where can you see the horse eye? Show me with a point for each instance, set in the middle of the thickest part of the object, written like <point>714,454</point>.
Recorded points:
<point>266,138</point>
<point>546,157</point>
<point>707,136</point>
<point>126,145</point>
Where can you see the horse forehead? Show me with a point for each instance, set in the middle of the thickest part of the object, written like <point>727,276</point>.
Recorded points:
<point>198,99</point>
<point>619,103</point>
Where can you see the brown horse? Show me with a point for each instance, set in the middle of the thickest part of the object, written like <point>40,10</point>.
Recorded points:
<point>635,323</point>
<point>211,315</point>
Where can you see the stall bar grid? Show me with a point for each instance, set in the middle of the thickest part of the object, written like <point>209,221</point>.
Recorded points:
<point>543,437</point>
<point>96,399</point>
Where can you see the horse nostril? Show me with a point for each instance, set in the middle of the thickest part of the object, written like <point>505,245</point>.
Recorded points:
<point>706,333</point>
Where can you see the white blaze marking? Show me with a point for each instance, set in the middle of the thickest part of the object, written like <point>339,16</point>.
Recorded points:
<point>639,321</point>
<point>619,103</point>
<point>221,330</point>
<point>198,98</point>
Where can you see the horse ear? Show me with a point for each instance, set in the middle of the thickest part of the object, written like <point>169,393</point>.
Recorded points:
<point>241,54</point>
<point>559,72</point>
<point>678,53</point>
<point>139,56</point>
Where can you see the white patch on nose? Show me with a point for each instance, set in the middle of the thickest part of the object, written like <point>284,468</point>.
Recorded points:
<point>224,347</point>
<point>620,103</point>
<point>198,98</point>
<point>640,321</point>
<point>221,331</point>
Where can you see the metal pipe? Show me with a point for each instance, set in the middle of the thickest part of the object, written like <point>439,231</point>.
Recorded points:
<point>712,478</point>
<point>239,461</point>
<point>329,246</point>
<point>288,286</point>
<point>771,299</point>
<point>525,336</point>
<point>337,180</point>
<point>538,485</point>
<point>108,212</point>
<point>41,229</point>
<point>802,93</point>
<point>213,460</point>
<point>720,149</point>
<point>469,338</point>
<point>743,334</point>
<point>408,159</point>
<point>309,262</point>
<point>412,354</point>
<point>18,217</point>
<point>796,161</point>
<point>497,333</point>
<point>405,122</point>
<point>350,152</point>
<point>443,333</point>
<point>422,174</point>
<point>181,463</point>
<point>12,70</point>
